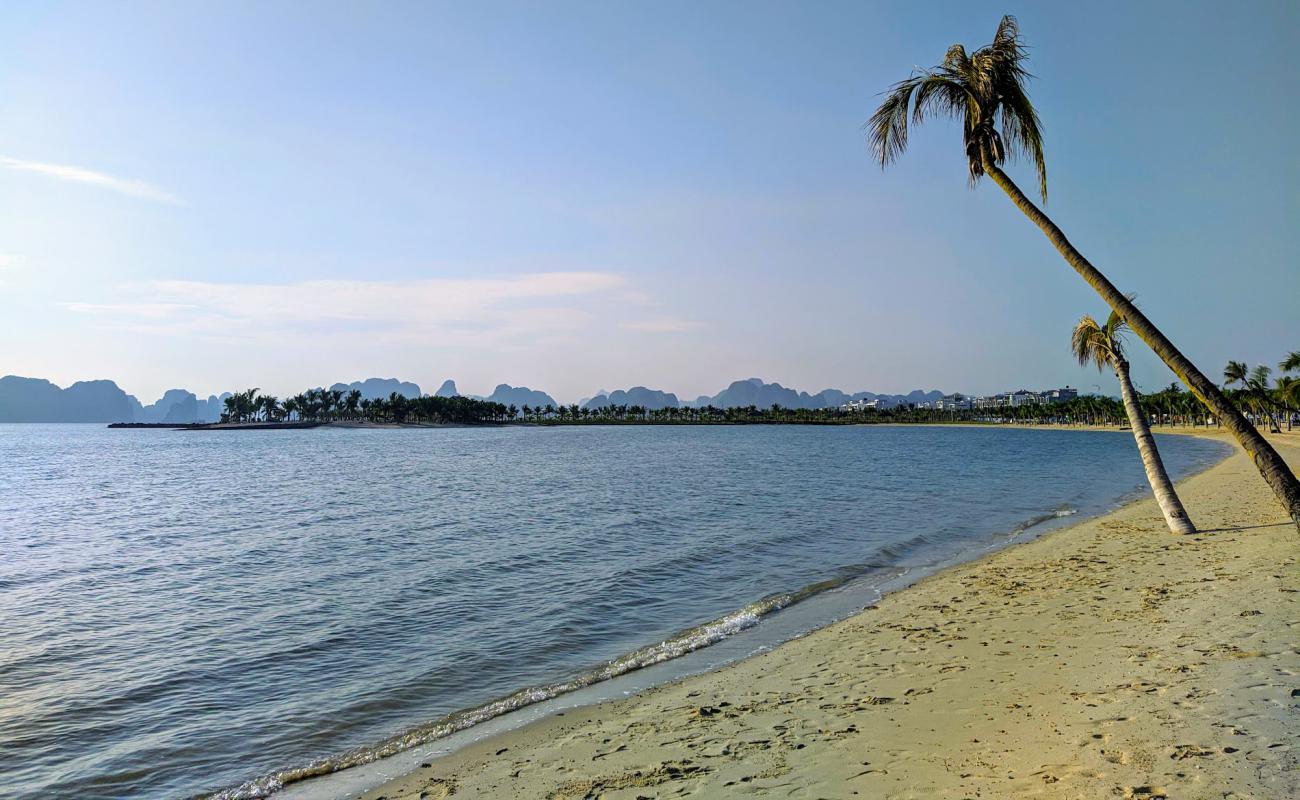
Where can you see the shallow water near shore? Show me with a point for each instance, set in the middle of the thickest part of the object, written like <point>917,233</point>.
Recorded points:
<point>188,613</point>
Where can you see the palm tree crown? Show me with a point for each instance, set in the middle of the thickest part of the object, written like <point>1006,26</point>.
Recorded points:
<point>985,90</point>
<point>1259,378</point>
<point>1098,344</point>
<point>1235,372</point>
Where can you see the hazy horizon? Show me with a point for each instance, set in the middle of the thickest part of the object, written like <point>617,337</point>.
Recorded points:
<point>581,196</point>
<point>432,386</point>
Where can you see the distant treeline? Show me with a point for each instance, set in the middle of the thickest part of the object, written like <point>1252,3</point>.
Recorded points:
<point>1262,403</point>
<point>1087,410</point>
<point>332,405</point>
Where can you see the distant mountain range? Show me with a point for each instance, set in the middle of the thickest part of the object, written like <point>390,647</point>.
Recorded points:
<point>380,388</point>
<point>38,400</point>
<point>636,396</point>
<point>751,392</point>
<point>520,396</point>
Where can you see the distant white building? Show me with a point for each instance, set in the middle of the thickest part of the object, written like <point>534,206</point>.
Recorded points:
<point>953,402</point>
<point>1022,397</point>
<point>874,404</point>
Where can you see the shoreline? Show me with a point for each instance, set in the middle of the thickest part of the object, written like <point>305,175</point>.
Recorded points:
<point>477,772</point>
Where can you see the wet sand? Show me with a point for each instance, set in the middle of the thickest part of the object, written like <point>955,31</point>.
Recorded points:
<point>1107,659</point>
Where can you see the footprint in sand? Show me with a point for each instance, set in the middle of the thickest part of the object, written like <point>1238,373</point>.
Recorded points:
<point>1143,792</point>
<point>1186,751</point>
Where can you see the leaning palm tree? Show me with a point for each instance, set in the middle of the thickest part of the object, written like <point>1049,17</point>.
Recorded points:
<point>985,90</point>
<point>1103,345</point>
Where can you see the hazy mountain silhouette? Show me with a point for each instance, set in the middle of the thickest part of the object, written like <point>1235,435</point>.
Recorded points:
<point>176,405</point>
<point>754,392</point>
<point>379,388</point>
<point>520,396</point>
<point>38,400</point>
<point>636,396</point>
<point>179,405</point>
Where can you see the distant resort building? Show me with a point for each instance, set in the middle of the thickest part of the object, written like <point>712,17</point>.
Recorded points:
<point>960,402</point>
<point>1023,397</point>
<point>953,402</point>
<point>874,404</point>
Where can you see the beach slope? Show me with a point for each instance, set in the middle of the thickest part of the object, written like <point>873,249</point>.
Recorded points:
<point>1109,659</point>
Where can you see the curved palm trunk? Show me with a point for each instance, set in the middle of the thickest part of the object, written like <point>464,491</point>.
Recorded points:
<point>1275,471</point>
<point>1170,505</point>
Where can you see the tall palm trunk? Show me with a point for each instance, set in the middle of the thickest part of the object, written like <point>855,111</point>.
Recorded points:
<point>1163,488</point>
<point>1275,471</point>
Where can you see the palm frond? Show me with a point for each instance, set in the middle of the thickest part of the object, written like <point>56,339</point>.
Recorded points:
<point>1291,363</point>
<point>1116,328</point>
<point>1234,371</point>
<point>887,128</point>
<point>1260,377</point>
<point>956,59</point>
<point>1021,128</point>
<point>940,92</point>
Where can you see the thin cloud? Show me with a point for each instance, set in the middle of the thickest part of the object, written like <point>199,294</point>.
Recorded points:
<point>74,174</point>
<point>480,311</point>
<point>662,325</point>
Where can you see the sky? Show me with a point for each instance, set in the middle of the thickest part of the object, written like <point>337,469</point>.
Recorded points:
<point>583,196</point>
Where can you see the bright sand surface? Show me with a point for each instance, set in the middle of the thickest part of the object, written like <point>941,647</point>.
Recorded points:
<point>1108,659</point>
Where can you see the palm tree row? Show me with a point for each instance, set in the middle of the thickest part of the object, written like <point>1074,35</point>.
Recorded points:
<point>985,91</point>
<point>334,405</point>
<point>1261,398</point>
<point>1084,410</point>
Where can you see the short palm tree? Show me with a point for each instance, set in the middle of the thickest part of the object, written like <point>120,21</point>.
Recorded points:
<point>270,407</point>
<point>1258,387</point>
<point>985,90</point>
<point>1288,396</point>
<point>1235,372</point>
<point>1103,345</point>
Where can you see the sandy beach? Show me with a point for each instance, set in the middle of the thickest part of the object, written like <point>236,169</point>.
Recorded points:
<point>1107,659</point>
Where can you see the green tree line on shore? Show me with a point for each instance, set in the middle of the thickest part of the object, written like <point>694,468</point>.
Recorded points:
<point>1263,401</point>
<point>334,405</point>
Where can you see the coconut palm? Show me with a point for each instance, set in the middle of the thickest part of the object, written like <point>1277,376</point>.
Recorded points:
<point>985,90</point>
<point>1235,372</point>
<point>1258,387</point>
<point>231,405</point>
<point>1104,346</point>
<point>269,406</point>
<point>1288,396</point>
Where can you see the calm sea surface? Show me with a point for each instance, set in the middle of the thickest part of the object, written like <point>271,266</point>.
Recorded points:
<point>183,613</point>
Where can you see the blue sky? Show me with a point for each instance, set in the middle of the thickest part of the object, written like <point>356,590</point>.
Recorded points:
<point>584,196</point>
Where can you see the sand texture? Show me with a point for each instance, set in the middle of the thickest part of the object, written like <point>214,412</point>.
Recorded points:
<point>1109,659</point>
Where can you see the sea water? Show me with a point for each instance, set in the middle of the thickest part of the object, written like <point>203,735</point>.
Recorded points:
<point>188,613</point>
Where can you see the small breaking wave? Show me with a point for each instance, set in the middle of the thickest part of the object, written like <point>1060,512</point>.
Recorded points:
<point>1035,521</point>
<point>677,645</point>
<point>887,562</point>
